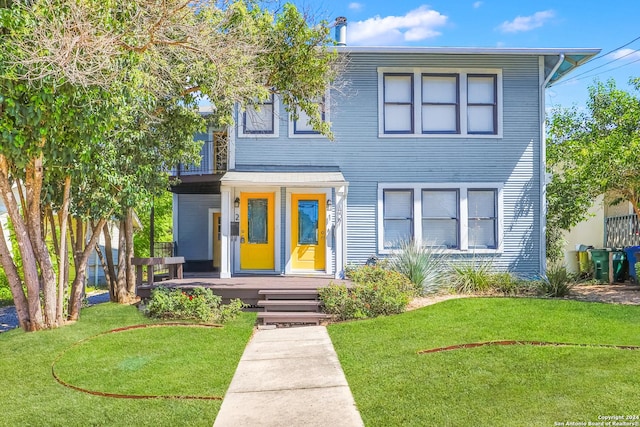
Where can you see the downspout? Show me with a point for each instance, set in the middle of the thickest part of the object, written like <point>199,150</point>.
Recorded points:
<point>543,165</point>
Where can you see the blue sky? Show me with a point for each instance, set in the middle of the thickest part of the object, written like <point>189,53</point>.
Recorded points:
<point>502,23</point>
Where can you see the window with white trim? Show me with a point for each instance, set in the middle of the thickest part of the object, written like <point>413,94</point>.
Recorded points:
<point>453,102</point>
<point>455,217</point>
<point>398,217</point>
<point>302,126</point>
<point>260,119</point>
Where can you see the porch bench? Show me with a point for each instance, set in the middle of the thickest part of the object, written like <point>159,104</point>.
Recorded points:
<point>173,263</point>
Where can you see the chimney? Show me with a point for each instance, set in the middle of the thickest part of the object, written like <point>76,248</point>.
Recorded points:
<point>341,31</point>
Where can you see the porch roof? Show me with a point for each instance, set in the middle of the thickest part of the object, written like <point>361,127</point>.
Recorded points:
<point>285,179</point>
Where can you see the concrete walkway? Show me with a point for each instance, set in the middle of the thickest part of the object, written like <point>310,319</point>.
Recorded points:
<point>289,376</point>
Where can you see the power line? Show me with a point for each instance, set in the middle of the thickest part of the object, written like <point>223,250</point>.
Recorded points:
<point>603,65</point>
<point>610,69</point>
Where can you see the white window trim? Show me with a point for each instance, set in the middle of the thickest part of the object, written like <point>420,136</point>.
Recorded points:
<point>417,96</point>
<point>327,119</point>
<point>276,122</point>
<point>463,188</point>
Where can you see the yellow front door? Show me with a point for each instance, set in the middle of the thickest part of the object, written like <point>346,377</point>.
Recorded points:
<point>217,234</point>
<point>308,231</point>
<point>257,231</point>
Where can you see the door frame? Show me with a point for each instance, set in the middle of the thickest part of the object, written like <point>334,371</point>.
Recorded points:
<point>210,231</point>
<point>328,258</point>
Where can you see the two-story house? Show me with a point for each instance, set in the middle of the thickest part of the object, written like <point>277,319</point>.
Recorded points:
<point>443,146</point>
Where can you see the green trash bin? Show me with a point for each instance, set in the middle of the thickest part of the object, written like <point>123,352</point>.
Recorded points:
<point>600,258</point>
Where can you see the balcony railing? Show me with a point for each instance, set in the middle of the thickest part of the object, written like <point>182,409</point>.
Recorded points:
<point>622,231</point>
<point>213,155</point>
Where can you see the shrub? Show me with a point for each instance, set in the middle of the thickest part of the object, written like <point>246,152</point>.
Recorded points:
<point>376,292</point>
<point>472,276</point>
<point>420,264</point>
<point>6,298</point>
<point>194,304</point>
<point>558,282</point>
<point>507,283</point>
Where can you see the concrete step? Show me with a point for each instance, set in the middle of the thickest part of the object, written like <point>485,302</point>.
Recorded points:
<point>291,317</point>
<point>290,305</point>
<point>288,294</point>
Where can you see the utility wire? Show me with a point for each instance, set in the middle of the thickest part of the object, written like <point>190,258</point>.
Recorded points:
<point>603,65</point>
<point>606,71</point>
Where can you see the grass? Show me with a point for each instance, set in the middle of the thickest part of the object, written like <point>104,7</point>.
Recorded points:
<point>516,385</point>
<point>167,360</point>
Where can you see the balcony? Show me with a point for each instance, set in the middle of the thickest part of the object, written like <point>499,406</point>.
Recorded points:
<point>213,155</point>
<point>205,177</point>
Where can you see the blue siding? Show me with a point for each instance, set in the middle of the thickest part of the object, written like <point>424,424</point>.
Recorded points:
<point>366,160</point>
<point>193,225</point>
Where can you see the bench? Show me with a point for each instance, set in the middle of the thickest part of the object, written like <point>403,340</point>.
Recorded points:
<point>174,264</point>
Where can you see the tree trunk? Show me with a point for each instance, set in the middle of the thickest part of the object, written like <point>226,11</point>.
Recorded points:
<point>121,285</point>
<point>111,269</point>
<point>131,271</point>
<point>15,284</point>
<point>29,263</point>
<point>33,183</point>
<point>77,287</point>
<point>63,249</point>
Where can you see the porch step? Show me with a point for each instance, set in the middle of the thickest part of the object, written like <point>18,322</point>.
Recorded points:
<point>291,317</point>
<point>289,294</point>
<point>290,305</point>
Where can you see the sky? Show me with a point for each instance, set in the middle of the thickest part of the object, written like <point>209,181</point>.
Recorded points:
<point>607,25</point>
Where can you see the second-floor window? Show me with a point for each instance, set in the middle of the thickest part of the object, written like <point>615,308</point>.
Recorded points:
<point>260,118</point>
<point>302,126</point>
<point>434,102</point>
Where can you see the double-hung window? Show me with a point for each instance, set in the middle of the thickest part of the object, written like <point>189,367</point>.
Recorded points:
<point>440,218</point>
<point>259,119</point>
<point>454,217</point>
<point>440,103</point>
<point>482,107</point>
<point>398,217</point>
<point>431,102</point>
<point>398,103</point>
<point>302,126</point>
<point>483,219</point>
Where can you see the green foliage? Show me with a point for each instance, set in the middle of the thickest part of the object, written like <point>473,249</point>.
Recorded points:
<point>592,153</point>
<point>375,292</point>
<point>194,304</point>
<point>472,276</point>
<point>422,265</point>
<point>557,283</point>
<point>6,298</point>
<point>163,223</point>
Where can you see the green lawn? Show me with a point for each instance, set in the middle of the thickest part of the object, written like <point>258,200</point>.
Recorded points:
<point>172,360</point>
<point>492,386</point>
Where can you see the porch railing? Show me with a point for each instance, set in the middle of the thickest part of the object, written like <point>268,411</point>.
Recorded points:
<point>213,155</point>
<point>622,231</point>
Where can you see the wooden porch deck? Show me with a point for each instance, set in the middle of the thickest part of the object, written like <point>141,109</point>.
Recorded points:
<point>246,288</point>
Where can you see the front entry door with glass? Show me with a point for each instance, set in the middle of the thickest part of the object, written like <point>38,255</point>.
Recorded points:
<point>257,231</point>
<point>308,232</point>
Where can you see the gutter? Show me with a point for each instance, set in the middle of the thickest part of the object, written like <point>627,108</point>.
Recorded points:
<point>543,163</point>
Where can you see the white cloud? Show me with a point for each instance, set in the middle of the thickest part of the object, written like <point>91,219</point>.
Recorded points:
<point>355,6</point>
<point>527,23</point>
<point>627,54</point>
<point>418,24</point>
<point>477,4</point>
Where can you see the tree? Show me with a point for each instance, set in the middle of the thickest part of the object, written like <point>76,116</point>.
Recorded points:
<point>98,100</point>
<point>591,153</point>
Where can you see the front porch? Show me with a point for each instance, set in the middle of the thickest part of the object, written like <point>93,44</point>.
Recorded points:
<point>247,288</point>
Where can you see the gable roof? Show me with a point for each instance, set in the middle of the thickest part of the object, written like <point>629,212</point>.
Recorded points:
<point>568,58</point>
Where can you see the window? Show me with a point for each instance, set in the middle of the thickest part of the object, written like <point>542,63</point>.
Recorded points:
<point>398,217</point>
<point>455,217</point>
<point>440,218</point>
<point>483,219</point>
<point>440,103</point>
<point>482,109</point>
<point>398,103</point>
<point>260,119</point>
<point>451,102</point>
<point>302,125</point>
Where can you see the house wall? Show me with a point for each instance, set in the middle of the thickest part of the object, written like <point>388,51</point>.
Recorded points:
<point>589,232</point>
<point>193,225</point>
<point>366,159</point>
